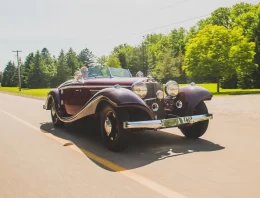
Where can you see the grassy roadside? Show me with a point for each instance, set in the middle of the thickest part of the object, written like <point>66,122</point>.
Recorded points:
<point>42,93</point>
<point>37,93</point>
<point>212,87</point>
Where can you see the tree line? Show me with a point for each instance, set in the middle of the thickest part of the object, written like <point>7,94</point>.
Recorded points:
<point>42,70</point>
<point>223,48</point>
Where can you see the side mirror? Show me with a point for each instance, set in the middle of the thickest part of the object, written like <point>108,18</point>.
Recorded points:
<point>77,75</point>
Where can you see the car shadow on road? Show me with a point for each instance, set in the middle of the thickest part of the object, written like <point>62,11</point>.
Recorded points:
<point>144,148</point>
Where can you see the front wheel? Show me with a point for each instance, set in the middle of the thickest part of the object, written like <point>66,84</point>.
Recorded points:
<point>55,120</point>
<point>114,135</point>
<point>196,130</point>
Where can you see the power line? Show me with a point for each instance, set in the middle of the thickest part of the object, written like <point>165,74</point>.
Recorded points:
<point>153,11</point>
<point>174,23</point>
<point>19,72</point>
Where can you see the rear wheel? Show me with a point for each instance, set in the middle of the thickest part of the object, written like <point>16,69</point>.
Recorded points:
<point>196,130</point>
<point>55,120</point>
<point>114,136</point>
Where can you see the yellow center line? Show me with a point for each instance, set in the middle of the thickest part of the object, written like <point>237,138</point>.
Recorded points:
<point>160,189</point>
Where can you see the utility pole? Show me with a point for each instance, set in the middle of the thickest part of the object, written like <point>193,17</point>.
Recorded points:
<point>19,72</point>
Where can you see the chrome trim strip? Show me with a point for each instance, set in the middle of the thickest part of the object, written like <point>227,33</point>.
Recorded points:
<point>87,109</point>
<point>149,99</point>
<point>91,86</point>
<point>167,123</point>
<point>95,90</point>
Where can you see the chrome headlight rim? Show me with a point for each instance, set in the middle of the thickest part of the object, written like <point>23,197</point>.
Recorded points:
<point>140,89</point>
<point>175,91</point>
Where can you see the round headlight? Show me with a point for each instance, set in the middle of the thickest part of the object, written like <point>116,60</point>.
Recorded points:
<point>140,89</point>
<point>172,88</point>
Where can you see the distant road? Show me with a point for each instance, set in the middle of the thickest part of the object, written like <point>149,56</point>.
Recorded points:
<point>38,160</point>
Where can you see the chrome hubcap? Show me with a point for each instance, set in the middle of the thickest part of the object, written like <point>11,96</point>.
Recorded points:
<point>53,111</point>
<point>108,126</point>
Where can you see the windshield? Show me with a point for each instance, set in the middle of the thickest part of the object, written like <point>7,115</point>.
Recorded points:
<point>120,72</point>
<point>97,72</point>
<point>106,72</point>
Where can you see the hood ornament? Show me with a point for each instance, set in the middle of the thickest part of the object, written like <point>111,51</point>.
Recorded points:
<point>150,77</point>
<point>117,86</point>
<point>149,74</point>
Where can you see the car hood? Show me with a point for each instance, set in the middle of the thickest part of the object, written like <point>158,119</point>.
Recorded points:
<point>113,81</point>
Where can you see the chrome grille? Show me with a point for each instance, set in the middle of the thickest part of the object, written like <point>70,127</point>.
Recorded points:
<point>152,87</point>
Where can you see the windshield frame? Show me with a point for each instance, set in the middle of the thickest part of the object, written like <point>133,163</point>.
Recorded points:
<point>113,76</point>
<point>108,72</point>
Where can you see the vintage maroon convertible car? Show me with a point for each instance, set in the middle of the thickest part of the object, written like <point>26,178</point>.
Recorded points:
<point>122,103</point>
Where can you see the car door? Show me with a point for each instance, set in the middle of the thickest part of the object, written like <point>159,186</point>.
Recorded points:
<point>71,97</point>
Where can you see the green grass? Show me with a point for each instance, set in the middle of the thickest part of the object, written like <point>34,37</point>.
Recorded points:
<point>28,92</point>
<point>211,87</point>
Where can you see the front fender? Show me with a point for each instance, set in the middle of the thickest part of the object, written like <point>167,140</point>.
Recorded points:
<point>191,96</point>
<point>116,97</point>
<point>121,97</point>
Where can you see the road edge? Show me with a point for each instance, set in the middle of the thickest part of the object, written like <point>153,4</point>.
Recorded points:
<point>24,95</point>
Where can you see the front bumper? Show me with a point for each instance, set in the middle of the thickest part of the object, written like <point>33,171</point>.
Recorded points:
<point>167,123</point>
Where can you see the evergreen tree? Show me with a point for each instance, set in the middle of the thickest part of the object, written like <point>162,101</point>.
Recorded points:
<point>86,57</point>
<point>25,71</point>
<point>72,61</point>
<point>63,70</point>
<point>38,77</point>
<point>10,77</point>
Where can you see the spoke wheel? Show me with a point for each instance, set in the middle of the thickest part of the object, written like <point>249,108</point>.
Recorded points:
<point>114,136</point>
<point>55,120</point>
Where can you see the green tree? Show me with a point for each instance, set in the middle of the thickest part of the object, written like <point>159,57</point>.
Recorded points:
<point>177,41</point>
<point>220,17</point>
<point>247,17</point>
<point>168,68</point>
<point>86,57</point>
<point>101,61</point>
<point>38,77</point>
<point>1,74</point>
<point>10,76</point>
<point>25,72</point>
<point>241,56</point>
<point>134,60</point>
<point>218,52</point>
<point>113,61</point>
<point>49,64</point>
<point>63,70</point>
<point>72,61</point>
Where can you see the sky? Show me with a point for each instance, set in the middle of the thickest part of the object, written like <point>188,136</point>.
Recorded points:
<point>99,25</point>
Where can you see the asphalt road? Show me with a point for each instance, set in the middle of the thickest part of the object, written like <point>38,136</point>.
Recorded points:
<point>38,160</point>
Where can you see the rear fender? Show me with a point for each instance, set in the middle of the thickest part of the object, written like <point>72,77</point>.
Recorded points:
<point>191,96</point>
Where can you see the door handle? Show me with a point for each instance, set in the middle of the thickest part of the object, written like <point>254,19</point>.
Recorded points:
<point>79,90</point>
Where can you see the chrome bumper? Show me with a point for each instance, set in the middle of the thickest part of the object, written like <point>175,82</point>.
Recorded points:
<point>167,123</point>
